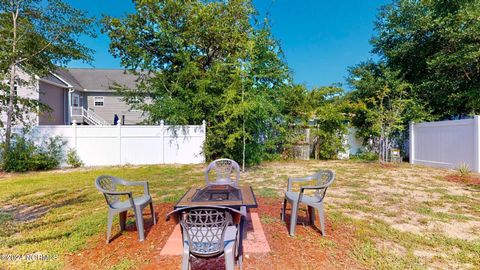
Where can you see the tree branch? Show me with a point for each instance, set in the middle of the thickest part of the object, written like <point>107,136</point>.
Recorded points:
<point>39,51</point>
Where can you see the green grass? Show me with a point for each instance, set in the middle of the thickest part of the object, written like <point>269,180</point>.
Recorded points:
<point>56,213</point>
<point>74,209</point>
<point>4,217</point>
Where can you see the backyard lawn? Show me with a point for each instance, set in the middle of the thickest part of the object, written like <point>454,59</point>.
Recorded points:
<point>385,217</point>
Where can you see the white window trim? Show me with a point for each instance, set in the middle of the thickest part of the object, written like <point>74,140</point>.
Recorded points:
<point>76,97</point>
<point>137,100</point>
<point>95,101</point>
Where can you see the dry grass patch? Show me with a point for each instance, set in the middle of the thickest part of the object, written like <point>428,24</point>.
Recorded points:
<point>398,217</point>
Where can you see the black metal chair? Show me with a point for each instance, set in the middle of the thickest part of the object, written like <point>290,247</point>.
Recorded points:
<point>211,231</point>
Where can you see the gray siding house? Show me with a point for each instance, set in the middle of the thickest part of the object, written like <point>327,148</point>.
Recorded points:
<point>84,95</point>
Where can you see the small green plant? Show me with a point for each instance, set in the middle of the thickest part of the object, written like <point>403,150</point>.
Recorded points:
<point>367,156</point>
<point>464,169</point>
<point>73,159</point>
<point>4,217</point>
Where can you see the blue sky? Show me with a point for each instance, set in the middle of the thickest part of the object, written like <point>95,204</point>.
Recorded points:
<point>320,38</point>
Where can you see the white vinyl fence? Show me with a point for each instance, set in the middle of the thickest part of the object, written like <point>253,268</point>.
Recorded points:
<point>446,144</point>
<point>121,145</point>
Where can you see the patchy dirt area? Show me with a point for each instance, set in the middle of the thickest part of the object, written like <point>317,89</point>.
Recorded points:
<point>308,250</point>
<point>418,203</point>
<point>411,198</point>
<point>467,179</point>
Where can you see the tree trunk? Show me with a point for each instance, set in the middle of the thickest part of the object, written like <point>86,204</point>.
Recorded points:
<point>385,151</point>
<point>380,151</point>
<point>243,130</point>
<point>11,97</point>
<point>10,108</point>
<point>244,146</point>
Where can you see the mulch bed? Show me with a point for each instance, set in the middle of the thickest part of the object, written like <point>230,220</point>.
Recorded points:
<point>467,179</point>
<point>305,251</point>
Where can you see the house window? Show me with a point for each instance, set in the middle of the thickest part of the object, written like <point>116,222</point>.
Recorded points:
<point>81,101</point>
<point>98,101</point>
<point>75,100</point>
<point>134,104</point>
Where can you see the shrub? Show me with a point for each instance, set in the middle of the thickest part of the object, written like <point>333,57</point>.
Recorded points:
<point>464,169</point>
<point>24,155</point>
<point>73,159</point>
<point>365,155</point>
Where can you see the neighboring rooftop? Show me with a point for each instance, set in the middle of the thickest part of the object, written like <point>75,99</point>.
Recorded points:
<point>93,79</point>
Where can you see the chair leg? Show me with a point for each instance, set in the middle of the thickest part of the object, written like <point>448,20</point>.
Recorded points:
<point>311,215</point>
<point>139,223</point>
<point>244,224</point>
<point>185,258</point>
<point>123,220</point>
<point>240,262</point>
<point>293,218</point>
<point>284,209</point>
<point>109,225</point>
<point>229,259</point>
<point>153,213</point>
<point>321,215</point>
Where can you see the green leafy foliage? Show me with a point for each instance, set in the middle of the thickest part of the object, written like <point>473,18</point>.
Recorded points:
<point>435,45</point>
<point>330,123</point>
<point>207,60</point>
<point>25,155</point>
<point>365,155</point>
<point>36,37</point>
<point>428,69</point>
<point>73,159</point>
<point>47,35</point>
<point>382,106</point>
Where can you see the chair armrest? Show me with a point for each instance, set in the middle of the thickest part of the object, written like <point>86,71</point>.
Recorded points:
<point>129,193</point>
<point>146,190</point>
<point>302,188</point>
<point>291,180</point>
<point>119,193</point>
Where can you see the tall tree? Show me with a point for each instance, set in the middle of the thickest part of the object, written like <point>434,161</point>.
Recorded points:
<point>206,60</point>
<point>435,45</point>
<point>36,36</point>
<point>383,105</point>
<point>328,107</point>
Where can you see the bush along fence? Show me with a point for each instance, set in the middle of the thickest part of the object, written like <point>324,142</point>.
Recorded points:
<point>447,144</point>
<point>122,145</point>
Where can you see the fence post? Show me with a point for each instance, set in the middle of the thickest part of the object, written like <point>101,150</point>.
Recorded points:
<point>74,125</point>
<point>119,125</point>
<point>476,143</point>
<point>412,143</point>
<point>163,140</point>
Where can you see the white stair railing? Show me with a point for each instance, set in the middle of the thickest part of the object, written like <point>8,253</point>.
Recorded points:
<point>89,116</point>
<point>94,118</point>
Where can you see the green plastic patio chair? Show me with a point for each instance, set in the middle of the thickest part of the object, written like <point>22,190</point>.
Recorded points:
<point>108,186</point>
<point>323,179</point>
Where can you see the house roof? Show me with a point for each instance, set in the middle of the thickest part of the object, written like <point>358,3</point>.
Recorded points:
<point>93,79</point>
<point>69,78</point>
<point>54,79</point>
